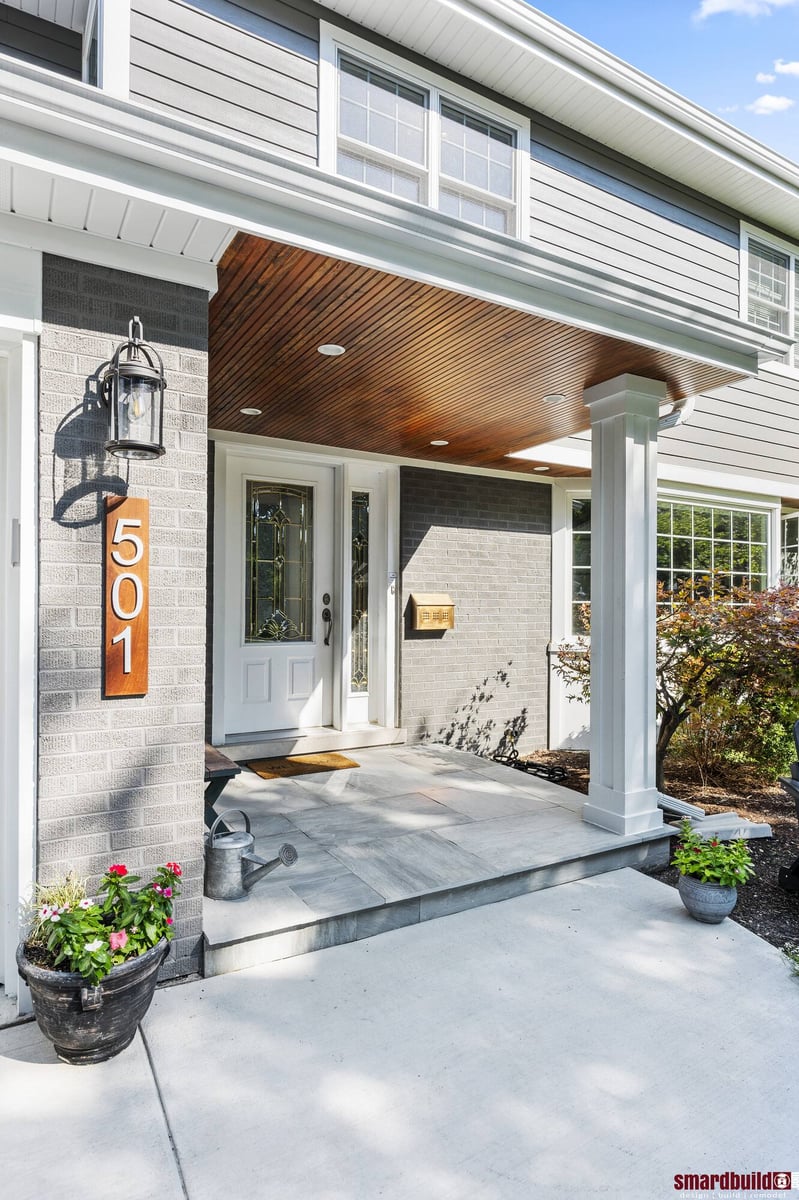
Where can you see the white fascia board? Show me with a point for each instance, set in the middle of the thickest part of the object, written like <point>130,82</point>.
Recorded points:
<point>78,133</point>
<point>572,51</point>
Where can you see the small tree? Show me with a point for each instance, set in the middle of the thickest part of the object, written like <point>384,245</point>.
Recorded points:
<point>713,641</point>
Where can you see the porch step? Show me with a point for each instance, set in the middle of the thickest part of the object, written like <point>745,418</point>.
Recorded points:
<point>225,952</point>
<point>277,744</point>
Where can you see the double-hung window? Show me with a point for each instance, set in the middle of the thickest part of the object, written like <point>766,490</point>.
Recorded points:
<point>771,296</point>
<point>397,128</point>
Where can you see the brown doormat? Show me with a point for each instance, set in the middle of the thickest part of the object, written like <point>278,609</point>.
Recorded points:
<point>300,764</point>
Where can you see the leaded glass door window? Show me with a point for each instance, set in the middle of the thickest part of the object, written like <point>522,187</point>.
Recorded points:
<point>279,564</point>
<point>359,682</point>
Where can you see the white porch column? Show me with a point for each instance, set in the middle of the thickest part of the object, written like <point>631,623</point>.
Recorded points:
<point>622,796</point>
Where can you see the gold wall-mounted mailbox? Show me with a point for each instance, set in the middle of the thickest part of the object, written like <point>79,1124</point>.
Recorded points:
<point>432,610</point>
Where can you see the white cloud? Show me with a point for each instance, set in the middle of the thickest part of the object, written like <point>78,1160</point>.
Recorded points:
<point>764,77</point>
<point>766,105</point>
<point>786,68</point>
<point>747,8</point>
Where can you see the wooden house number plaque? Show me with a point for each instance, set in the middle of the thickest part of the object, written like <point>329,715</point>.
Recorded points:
<point>127,604</point>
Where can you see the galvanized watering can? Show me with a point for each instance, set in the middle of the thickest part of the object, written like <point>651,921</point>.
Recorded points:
<point>231,867</point>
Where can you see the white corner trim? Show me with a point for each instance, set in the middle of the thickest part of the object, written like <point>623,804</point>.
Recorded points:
<point>19,596</point>
<point>113,47</point>
<point>20,288</point>
<point>106,252</point>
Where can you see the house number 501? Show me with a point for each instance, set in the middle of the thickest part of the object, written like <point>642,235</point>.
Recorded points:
<point>127,536</point>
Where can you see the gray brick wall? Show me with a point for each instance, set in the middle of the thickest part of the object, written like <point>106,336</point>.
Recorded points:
<point>487,542</point>
<point>121,780</point>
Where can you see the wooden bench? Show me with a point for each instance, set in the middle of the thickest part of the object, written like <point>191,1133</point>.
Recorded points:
<point>219,770</point>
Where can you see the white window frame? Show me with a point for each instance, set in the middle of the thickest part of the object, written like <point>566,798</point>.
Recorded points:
<point>334,41</point>
<point>666,493</point>
<point>750,233</point>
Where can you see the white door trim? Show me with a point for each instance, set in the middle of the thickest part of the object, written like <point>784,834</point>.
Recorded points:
<point>381,480</point>
<point>18,656</point>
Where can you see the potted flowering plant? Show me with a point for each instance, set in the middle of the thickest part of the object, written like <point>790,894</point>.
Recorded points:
<point>711,872</point>
<point>92,962</point>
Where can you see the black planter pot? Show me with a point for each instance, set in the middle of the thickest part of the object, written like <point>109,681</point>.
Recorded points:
<point>86,1024</point>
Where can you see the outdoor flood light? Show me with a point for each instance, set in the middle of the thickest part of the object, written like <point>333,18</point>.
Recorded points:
<point>133,388</point>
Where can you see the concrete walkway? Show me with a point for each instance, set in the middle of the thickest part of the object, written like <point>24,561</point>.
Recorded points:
<point>588,1040</point>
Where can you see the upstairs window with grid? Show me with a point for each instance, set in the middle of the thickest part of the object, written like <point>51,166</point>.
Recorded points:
<point>410,140</point>
<point>772,296</point>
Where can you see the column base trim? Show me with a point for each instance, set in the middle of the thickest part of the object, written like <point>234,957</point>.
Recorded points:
<point>624,813</point>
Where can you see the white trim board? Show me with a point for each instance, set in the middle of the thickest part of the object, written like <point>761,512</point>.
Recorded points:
<point>305,449</point>
<point>19,601</point>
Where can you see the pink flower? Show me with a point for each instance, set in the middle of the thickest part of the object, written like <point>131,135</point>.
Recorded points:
<point>118,869</point>
<point>167,892</point>
<point>169,921</point>
<point>118,941</point>
<point>157,887</point>
<point>85,903</point>
<point>174,868</point>
<point>45,912</point>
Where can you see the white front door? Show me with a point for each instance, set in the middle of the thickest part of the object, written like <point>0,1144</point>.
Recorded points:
<point>279,594</point>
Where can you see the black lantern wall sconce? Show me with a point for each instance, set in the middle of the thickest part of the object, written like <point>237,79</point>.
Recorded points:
<point>133,389</point>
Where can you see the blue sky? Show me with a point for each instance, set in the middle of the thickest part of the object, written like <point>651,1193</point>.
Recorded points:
<point>739,59</point>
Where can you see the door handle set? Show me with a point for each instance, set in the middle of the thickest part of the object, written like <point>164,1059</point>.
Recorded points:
<point>327,617</point>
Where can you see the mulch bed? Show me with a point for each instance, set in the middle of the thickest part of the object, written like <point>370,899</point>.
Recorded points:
<point>762,905</point>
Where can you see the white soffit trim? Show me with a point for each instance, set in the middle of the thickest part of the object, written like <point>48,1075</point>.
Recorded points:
<point>533,60</point>
<point>70,14</point>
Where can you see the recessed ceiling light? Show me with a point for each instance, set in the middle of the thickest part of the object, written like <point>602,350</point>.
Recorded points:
<point>331,350</point>
<point>540,468</point>
<point>553,399</point>
<point>439,442</point>
<point>251,412</point>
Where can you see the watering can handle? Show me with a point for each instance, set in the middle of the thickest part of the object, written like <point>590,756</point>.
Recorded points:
<point>227,813</point>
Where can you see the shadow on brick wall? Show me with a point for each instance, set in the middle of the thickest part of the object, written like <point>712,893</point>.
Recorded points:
<point>472,729</point>
<point>80,481</point>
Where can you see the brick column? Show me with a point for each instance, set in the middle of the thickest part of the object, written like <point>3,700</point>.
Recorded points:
<point>121,780</point>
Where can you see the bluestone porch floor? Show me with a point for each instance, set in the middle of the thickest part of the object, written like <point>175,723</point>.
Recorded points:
<point>414,832</point>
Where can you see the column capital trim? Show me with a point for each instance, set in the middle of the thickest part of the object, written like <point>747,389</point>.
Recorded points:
<point>633,394</point>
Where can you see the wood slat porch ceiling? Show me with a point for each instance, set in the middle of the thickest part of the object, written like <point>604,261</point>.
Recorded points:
<point>421,362</point>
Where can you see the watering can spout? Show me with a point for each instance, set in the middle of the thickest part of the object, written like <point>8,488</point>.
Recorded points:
<point>256,868</point>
